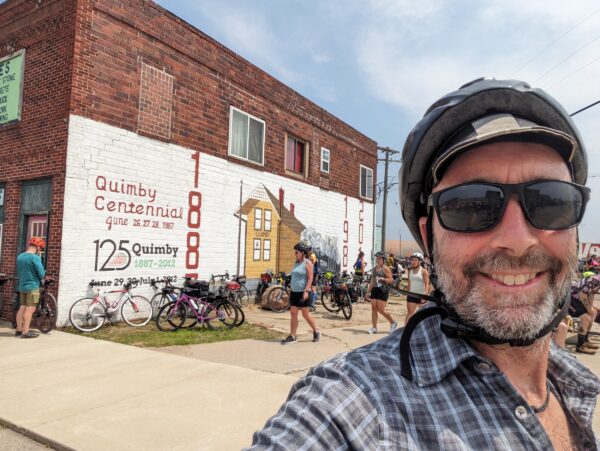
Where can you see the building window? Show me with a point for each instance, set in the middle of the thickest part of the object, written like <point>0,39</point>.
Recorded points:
<point>296,155</point>
<point>256,253</point>
<point>246,136</point>
<point>366,182</point>
<point>257,219</point>
<point>267,250</point>
<point>325,160</point>
<point>267,220</point>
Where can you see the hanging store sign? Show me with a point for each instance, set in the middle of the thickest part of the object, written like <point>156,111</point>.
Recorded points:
<point>12,69</point>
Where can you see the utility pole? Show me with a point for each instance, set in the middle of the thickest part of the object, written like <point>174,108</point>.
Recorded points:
<point>387,151</point>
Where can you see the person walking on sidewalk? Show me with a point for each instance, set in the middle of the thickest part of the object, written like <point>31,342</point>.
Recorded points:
<point>302,275</point>
<point>418,282</point>
<point>379,291</point>
<point>30,273</point>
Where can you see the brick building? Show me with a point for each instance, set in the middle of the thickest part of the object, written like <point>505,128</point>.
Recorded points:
<point>140,147</point>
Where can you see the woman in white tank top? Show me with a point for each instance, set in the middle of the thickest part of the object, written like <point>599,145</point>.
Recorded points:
<point>418,282</point>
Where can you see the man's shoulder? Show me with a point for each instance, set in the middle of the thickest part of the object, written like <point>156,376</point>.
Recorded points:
<point>363,365</point>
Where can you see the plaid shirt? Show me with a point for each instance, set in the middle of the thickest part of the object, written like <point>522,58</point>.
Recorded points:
<point>457,400</point>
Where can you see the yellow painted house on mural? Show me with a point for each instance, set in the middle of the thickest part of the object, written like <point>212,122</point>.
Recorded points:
<point>270,235</point>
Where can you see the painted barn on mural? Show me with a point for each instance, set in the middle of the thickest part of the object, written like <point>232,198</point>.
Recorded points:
<point>139,147</point>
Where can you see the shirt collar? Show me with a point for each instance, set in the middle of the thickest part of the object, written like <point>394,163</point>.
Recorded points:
<point>434,356</point>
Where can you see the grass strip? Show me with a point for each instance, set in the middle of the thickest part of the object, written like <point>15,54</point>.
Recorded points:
<point>150,337</point>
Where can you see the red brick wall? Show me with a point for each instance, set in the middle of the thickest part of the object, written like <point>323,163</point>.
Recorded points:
<point>35,147</point>
<point>115,38</point>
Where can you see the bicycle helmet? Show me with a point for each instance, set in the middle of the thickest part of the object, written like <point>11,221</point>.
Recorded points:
<point>380,254</point>
<point>302,246</point>
<point>417,255</point>
<point>485,110</point>
<point>38,242</point>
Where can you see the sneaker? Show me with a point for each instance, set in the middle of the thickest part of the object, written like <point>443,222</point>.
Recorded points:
<point>30,334</point>
<point>585,350</point>
<point>289,339</point>
<point>372,330</point>
<point>316,336</point>
<point>18,333</point>
<point>393,326</point>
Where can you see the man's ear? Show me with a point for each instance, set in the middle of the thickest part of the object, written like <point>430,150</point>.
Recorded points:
<point>424,234</point>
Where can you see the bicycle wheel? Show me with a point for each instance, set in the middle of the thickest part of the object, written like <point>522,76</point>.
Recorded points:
<point>279,300</point>
<point>45,314</point>
<point>329,303</point>
<point>87,315</point>
<point>241,317</point>
<point>221,315</point>
<point>171,316</point>
<point>346,305</point>
<point>243,296</point>
<point>158,301</point>
<point>136,311</point>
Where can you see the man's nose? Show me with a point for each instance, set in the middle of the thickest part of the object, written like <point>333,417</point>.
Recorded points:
<point>514,234</point>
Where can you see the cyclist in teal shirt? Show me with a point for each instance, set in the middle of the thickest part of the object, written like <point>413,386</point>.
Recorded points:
<point>30,273</point>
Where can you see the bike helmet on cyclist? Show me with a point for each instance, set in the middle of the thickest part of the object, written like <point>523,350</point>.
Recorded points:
<point>380,254</point>
<point>38,242</point>
<point>302,246</point>
<point>482,111</point>
<point>417,255</point>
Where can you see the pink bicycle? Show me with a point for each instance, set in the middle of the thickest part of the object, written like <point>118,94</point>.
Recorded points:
<point>90,314</point>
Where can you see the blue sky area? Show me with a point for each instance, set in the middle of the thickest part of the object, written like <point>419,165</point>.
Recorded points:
<point>378,64</point>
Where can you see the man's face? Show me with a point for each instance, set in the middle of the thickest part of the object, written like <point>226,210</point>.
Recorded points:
<point>510,279</point>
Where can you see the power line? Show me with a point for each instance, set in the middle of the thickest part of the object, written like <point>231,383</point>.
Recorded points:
<point>554,42</point>
<point>565,59</point>
<point>574,72</point>
<point>585,108</point>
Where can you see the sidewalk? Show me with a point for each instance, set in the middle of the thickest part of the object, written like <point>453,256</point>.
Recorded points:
<point>75,392</point>
<point>88,394</point>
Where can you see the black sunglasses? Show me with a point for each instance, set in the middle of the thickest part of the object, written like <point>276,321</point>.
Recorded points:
<point>479,206</point>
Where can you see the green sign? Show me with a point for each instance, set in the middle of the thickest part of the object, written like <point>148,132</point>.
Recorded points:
<point>11,87</point>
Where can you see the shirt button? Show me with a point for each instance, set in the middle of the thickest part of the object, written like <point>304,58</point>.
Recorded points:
<point>521,412</point>
<point>484,367</point>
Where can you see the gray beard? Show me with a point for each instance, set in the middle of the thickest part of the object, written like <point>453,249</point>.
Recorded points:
<point>471,306</point>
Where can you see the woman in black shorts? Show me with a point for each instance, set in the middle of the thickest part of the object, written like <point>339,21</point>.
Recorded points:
<point>418,282</point>
<point>378,292</point>
<point>302,275</point>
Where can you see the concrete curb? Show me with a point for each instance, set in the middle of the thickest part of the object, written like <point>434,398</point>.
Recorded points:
<point>41,439</point>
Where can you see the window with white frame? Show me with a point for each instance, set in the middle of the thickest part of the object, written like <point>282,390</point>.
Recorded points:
<point>246,136</point>
<point>325,155</point>
<point>267,220</point>
<point>257,219</point>
<point>267,250</point>
<point>256,249</point>
<point>366,182</point>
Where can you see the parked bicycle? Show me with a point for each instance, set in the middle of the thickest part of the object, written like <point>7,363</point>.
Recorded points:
<point>90,313</point>
<point>264,283</point>
<point>336,298</point>
<point>278,298</point>
<point>168,293</point>
<point>44,315</point>
<point>218,315</point>
<point>224,288</point>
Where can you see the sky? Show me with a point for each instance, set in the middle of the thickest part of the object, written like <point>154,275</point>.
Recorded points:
<point>378,64</point>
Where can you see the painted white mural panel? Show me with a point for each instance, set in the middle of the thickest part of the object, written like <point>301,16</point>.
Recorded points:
<point>136,208</point>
